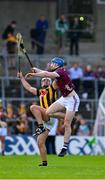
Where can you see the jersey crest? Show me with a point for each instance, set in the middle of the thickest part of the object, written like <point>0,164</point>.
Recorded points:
<point>43,92</point>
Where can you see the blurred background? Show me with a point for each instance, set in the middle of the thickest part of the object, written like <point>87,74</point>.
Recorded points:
<point>72,29</point>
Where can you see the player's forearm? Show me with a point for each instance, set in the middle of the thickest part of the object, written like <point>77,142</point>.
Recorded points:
<point>25,84</point>
<point>51,75</point>
<point>37,70</point>
<point>40,74</point>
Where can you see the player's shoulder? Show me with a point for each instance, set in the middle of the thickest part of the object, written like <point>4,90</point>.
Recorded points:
<point>61,71</point>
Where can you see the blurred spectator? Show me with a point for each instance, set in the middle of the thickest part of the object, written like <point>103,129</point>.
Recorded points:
<point>83,129</point>
<point>10,111</point>
<point>100,73</point>
<point>88,83</point>
<point>11,118</point>
<point>76,73</point>
<point>41,30</point>
<point>9,30</point>
<point>89,73</point>
<point>11,45</point>
<point>61,27</point>
<point>22,124</point>
<point>33,36</point>
<point>3,128</point>
<point>11,49</point>
<point>74,35</point>
<point>22,109</point>
<point>50,141</point>
<point>100,76</point>
<point>3,113</point>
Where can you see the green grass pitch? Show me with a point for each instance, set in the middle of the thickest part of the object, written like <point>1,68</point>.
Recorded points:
<point>69,167</point>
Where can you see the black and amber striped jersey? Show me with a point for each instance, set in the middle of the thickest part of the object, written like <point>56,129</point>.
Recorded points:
<point>47,96</point>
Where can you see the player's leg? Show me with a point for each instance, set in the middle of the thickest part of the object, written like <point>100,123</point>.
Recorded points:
<point>56,110</point>
<point>52,125</point>
<point>38,112</point>
<point>58,115</point>
<point>67,124</point>
<point>40,116</point>
<point>42,148</point>
<point>56,107</point>
<point>71,105</point>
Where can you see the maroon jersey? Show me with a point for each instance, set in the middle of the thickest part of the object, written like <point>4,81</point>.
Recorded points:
<point>64,82</point>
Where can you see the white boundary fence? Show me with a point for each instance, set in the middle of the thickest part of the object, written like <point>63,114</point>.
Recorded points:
<point>26,145</point>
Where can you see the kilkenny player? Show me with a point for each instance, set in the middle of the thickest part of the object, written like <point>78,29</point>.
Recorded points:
<point>47,95</point>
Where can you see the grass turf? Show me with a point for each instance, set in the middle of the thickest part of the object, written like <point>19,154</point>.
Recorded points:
<point>69,167</point>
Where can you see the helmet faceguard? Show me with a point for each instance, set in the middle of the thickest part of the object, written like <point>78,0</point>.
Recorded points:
<point>45,82</point>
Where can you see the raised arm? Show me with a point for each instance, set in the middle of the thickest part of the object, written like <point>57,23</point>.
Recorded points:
<point>26,85</point>
<point>36,70</point>
<point>51,75</point>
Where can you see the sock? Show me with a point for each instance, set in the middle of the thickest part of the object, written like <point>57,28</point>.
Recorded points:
<point>65,146</point>
<point>40,125</point>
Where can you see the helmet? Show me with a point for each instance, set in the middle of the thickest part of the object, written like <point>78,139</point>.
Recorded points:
<point>58,61</point>
<point>46,78</point>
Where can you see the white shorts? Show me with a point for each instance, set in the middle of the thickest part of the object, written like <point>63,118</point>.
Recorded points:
<point>51,124</point>
<point>3,131</point>
<point>71,103</point>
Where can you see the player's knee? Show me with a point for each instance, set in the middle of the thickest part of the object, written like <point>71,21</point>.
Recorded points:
<point>33,108</point>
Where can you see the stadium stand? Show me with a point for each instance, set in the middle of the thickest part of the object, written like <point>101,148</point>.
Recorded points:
<point>92,48</point>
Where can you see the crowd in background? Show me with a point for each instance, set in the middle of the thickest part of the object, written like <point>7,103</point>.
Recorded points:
<point>20,121</point>
<point>88,74</point>
<point>64,28</point>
